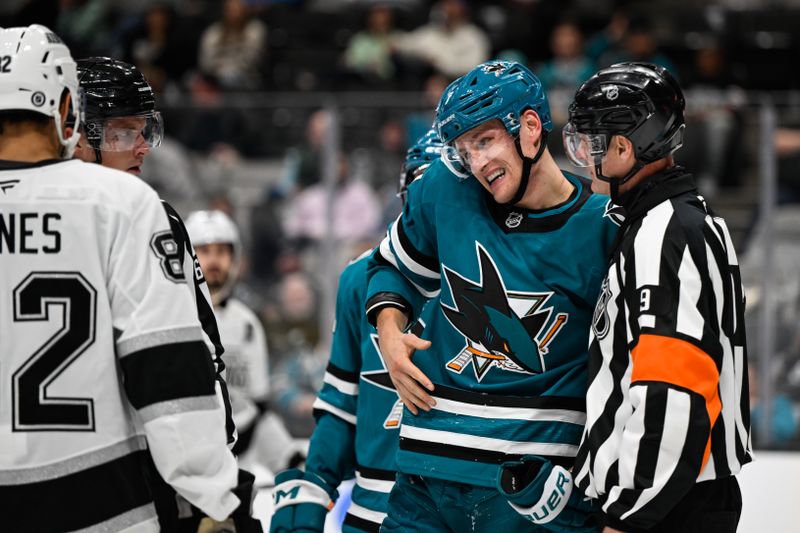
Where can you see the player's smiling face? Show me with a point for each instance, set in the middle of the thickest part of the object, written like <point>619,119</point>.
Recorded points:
<point>489,152</point>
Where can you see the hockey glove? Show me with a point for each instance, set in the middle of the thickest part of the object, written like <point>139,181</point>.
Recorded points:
<point>302,500</point>
<point>543,493</point>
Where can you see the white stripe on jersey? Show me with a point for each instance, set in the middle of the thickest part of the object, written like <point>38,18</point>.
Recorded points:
<point>488,443</point>
<point>648,242</point>
<point>345,387</point>
<point>325,406</point>
<point>738,363</point>
<point>36,474</point>
<point>509,413</point>
<point>159,338</point>
<point>405,258</point>
<point>183,405</point>
<point>669,453</point>
<point>634,432</point>
<point>366,514</point>
<point>690,321</point>
<point>140,520</point>
<point>386,252</point>
<point>375,485</point>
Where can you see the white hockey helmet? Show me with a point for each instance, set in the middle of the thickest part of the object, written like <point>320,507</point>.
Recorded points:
<point>215,227</point>
<point>211,227</point>
<point>35,68</point>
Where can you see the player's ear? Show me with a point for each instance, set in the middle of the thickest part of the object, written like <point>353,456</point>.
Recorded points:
<point>530,121</point>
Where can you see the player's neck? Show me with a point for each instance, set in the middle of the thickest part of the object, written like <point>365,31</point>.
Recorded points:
<point>547,186</point>
<point>27,145</point>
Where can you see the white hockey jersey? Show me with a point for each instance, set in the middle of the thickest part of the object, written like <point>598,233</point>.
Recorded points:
<point>102,359</point>
<point>246,359</point>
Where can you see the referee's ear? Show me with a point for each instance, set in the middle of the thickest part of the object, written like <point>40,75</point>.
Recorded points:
<point>622,148</point>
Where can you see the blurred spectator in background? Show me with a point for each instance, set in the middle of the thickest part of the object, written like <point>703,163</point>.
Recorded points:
<point>233,49</point>
<point>368,56</point>
<point>523,26</point>
<point>292,325</point>
<point>639,44</point>
<point>418,124</point>
<point>221,201</point>
<point>449,44</point>
<point>209,124</point>
<point>356,210</point>
<point>569,66</point>
<point>389,154</point>
<point>84,26</point>
<point>161,45</point>
<point>605,45</point>
<point>266,233</point>
<point>713,139</point>
<point>302,164</point>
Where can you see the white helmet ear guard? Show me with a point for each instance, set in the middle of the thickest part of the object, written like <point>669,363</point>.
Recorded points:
<point>36,67</point>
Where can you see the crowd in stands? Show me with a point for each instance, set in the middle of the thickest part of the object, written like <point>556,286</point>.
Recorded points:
<point>230,77</point>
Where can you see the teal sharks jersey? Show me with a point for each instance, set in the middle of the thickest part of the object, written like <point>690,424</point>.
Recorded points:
<point>358,411</point>
<point>512,293</point>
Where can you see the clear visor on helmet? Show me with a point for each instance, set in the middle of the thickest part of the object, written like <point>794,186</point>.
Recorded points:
<point>584,149</point>
<point>471,152</point>
<point>121,134</point>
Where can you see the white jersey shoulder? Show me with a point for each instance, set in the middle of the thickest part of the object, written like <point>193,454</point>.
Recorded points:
<point>246,357</point>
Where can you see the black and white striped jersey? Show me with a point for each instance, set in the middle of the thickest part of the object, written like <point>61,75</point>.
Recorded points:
<point>667,404</point>
<point>185,261</point>
<point>103,363</point>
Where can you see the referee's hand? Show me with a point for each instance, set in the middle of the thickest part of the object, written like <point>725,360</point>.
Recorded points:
<point>397,349</point>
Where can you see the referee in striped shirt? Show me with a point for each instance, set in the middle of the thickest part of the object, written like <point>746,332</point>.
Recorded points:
<point>668,419</point>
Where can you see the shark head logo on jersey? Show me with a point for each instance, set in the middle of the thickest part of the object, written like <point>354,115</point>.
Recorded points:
<point>502,329</point>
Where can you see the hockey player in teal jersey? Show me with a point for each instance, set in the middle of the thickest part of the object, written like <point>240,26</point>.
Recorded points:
<point>358,411</point>
<point>511,251</point>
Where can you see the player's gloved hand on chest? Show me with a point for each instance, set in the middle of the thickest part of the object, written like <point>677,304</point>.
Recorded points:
<point>302,500</point>
<point>544,493</point>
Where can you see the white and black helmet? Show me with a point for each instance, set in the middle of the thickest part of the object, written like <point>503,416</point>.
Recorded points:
<point>212,227</point>
<point>36,68</point>
<point>215,227</point>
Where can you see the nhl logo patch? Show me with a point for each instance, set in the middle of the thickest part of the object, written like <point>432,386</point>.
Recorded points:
<point>38,98</point>
<point>611,91</point>
<point>514,220</point>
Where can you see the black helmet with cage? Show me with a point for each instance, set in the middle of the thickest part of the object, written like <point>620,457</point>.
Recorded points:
<point>639,101</point>
<point>114,89</point>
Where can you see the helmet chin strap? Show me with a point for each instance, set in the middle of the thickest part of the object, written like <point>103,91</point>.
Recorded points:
<point>614,183</point>
<point>527,164</point>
